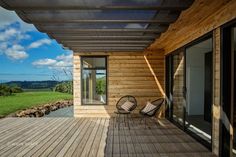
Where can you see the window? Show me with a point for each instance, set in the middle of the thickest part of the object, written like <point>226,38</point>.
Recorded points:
<point>94,81</point>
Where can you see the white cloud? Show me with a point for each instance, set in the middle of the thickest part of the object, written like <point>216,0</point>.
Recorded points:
<point>133,25</point>
<point>65,57</point>
<point>8,17</point>
<point>44,62</point>
<point>13,34</point>
<point>16,52</point>
<point>39,43</point>
<point>10,39</point>
<point>61,62</point>
<point>3,46</point>
<point>10,43</point>
<point>9,33</point>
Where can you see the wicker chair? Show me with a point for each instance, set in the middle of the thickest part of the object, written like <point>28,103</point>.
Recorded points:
<point>158,103</point>
<point>121,111</point>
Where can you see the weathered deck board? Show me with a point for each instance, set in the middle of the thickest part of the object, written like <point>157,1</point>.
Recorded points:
<point>94,137</point>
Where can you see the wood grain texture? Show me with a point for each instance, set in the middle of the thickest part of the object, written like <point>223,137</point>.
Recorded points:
<point>216,91</point>
<point>202,17</point>
<point>58,137</point>
<point>128,74</point>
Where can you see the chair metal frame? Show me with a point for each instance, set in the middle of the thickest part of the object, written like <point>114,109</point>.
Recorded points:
<point>121,111</point>
<point>158,103</point>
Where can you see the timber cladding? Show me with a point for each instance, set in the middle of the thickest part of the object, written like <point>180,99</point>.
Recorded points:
<point>139,75</point>
<point>216,91</point>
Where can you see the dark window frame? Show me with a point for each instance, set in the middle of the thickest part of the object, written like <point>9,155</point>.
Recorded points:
<point>81,77</point>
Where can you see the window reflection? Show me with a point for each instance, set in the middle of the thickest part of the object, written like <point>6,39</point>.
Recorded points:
<point>94,81</point>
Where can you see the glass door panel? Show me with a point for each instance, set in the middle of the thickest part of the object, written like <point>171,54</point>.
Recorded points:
<point>233,93</point>
<point>228,125</point>
<point>199,72</point>
<point>178,99</point>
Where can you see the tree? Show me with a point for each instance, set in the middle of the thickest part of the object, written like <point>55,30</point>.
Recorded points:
<point>64,87</point>
<point>6,90</point>
<point>101,86</point>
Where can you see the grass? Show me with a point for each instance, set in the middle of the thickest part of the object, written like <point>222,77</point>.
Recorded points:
<point>19,101</point>
<point>37,90</point>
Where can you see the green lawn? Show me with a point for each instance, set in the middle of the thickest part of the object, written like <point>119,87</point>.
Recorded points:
<point>10,104</point>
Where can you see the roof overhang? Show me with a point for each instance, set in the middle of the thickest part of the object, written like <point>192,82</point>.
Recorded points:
<point>100,26</point>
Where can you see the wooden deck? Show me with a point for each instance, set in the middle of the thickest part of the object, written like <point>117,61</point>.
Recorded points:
<point>94,137</point>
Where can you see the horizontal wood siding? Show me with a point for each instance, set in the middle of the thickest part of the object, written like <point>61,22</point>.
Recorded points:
<point>131,75</point>
<point>76,82</point>
<point>127,75</point>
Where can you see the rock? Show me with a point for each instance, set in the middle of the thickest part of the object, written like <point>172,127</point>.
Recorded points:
<point>47,111</point>
<point>41,110</point>
<point>39,113</point>
<point>53,108</point>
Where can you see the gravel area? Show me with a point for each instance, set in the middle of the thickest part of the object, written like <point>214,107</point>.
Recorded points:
<point>63,112</point>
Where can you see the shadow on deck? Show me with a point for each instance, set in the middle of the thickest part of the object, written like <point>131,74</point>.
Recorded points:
<point>94,137</point>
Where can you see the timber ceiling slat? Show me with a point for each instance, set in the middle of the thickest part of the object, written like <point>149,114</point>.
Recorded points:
<point>93,37</point>
<point>112,46</point>
<point>94,5</point>
<point>72,30</point>
<point>94,26</point>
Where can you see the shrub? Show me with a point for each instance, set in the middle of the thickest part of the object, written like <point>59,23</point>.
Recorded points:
<point>64,87</point>
<point>101,86</point>
<point>16,89</point>
<point>5,90</point>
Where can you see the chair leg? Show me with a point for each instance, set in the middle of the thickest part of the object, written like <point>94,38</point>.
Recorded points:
<point>141,119</point>
<point>124,116</point>
<point>155,122</point>
<point>118,121</point>
<point>128,119</point>
<point>145,121</point>
<point>115,120</point>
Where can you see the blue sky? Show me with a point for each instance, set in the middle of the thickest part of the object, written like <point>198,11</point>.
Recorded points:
<point>27,54</point>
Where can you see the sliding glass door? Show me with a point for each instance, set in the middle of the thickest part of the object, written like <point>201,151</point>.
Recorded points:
<point>189,77</point>
<point>199,87</point>
<point>228,121</point>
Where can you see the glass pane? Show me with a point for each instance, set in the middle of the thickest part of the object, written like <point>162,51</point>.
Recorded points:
<point>234,95</point>
<point>100,14</point>
<point>178,84</point>
<point>92,62</point>
<point>199,76</point>
<point>168,86</point>
<point>102,26</point>
<point>94,87</point>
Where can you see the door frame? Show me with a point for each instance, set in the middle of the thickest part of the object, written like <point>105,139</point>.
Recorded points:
<point>81,77</point>
<point>225,139</point>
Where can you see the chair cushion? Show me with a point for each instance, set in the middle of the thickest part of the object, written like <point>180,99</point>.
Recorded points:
<point>149,107</point>
<point>127,105</point>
